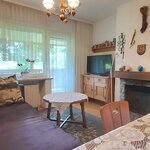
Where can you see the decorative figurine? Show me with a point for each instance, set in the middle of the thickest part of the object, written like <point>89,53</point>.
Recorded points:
<point>140,68</point>
<point>125,68</point>
<point>122,68</point>
<point>128,68</point>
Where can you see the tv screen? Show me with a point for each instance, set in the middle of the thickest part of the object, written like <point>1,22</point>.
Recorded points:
<point>99,65</point>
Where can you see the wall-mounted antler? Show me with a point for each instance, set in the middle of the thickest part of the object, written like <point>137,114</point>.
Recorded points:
<point>144,12</point>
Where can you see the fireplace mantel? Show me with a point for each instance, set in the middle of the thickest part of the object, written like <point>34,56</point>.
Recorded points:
<point>132,75</point>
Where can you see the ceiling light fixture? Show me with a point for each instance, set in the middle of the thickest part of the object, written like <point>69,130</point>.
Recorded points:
<point>65,9</point>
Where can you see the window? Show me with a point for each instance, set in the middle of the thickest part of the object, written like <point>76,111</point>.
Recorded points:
<point>20,43</point>
<point>16,46</point>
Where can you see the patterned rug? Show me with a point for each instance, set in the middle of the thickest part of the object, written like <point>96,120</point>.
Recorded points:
<point>94,125</point>
<point>93,130</point>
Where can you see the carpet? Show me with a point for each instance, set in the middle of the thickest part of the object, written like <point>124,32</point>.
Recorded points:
<point>93,130</point>
<point>94,125</point>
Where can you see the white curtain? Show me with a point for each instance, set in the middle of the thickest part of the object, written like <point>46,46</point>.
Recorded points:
<point>83,46</point>
<point>22,36</point>
<point>61,51</point>
<point>18,43</point>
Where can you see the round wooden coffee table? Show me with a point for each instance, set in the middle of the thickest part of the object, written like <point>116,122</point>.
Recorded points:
<point>67,99</point>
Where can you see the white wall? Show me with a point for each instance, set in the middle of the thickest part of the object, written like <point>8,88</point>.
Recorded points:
<point>128,19</point>
<point>104,30</point>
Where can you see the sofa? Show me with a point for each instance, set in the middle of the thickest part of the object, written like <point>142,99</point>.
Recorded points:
<point>23,127</point>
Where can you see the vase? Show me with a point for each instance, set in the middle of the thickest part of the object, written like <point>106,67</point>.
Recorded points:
<point>140,68</point>
<point>24,75</point>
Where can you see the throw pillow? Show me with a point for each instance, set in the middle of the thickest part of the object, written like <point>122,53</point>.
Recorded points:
<point>10,91</point>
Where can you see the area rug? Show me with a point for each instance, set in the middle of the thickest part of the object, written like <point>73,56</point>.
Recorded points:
<point>93,130</point>
<point>94,124</point>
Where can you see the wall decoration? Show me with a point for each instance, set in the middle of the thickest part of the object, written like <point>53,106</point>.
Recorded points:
<point>128,68</point>
<point>125,68</point>
<point>121,44</point>
<point>105,46</point>
<point>133,39</point>
<point>144,12</point>
<point>141,49</point>
<point>140,68</point>
<point>122,68</point>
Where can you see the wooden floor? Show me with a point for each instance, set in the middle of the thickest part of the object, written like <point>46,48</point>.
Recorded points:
<point>92,107</point>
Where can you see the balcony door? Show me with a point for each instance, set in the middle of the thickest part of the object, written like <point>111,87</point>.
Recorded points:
<point>62,62</point>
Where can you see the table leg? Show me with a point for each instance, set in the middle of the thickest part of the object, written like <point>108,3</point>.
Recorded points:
<point>71,112</point>
<point>83,114</point>
<point>49,111</point>
<point>58,118</point>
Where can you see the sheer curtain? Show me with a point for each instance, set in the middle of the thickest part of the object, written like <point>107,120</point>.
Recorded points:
<point>59,49</point>
<point>83,49</point>
<point>18,43</point>
<point>21,37</point>
<point>62,61</point>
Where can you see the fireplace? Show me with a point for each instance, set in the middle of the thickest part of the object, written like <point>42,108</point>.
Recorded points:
<point>138,98</point>
<point>137,92</point>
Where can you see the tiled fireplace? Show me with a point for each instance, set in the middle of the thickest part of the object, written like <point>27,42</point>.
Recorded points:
<point>137,92</point>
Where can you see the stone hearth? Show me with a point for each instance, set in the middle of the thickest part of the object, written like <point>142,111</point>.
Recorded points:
<point>137,92</point>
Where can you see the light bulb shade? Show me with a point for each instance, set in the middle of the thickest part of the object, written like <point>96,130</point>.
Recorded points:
<point>48,4</point>
<point>73,3</point>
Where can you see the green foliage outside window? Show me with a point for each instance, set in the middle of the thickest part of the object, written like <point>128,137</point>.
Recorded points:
<point>16,46</point>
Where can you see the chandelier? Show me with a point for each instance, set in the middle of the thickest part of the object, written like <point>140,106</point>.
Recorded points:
<point>65,10</point>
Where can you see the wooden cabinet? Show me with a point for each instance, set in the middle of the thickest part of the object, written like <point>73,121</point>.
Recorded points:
<point>99,92</point>
<point>88,86</point>
<point>97,87</point>
<point>32,95</point>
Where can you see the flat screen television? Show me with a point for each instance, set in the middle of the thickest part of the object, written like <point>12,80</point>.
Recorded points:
<point>99,64</point>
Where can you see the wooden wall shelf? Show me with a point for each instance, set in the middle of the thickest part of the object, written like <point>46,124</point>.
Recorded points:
<point>104,49</point>
<point>133,75</point>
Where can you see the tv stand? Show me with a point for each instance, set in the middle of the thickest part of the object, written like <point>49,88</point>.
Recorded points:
<point>98,87</point>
